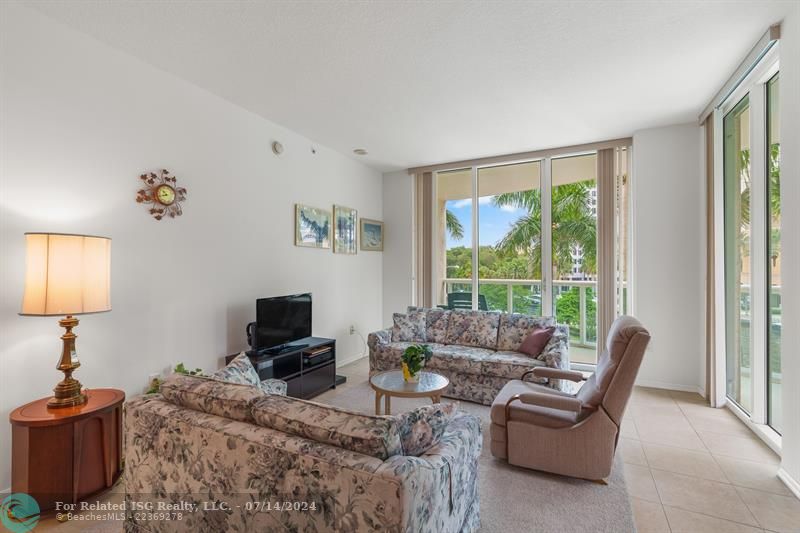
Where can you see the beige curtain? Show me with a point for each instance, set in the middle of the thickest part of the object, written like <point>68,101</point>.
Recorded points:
<point>423,188</point>
<point>710,265</point>
<point>605,243</point>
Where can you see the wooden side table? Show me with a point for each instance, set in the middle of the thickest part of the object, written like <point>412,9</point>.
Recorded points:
<point>67,454</point>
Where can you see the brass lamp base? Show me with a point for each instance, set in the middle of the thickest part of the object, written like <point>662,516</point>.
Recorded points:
<point>68,391</point>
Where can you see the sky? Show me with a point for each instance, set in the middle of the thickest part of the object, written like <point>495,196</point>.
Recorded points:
<point>494,222</point>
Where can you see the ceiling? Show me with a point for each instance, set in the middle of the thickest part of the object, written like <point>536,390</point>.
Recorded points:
<point>427,82</point>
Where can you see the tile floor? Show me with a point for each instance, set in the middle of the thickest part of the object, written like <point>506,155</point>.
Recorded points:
<point>689,469</point>
<point>694,469</point>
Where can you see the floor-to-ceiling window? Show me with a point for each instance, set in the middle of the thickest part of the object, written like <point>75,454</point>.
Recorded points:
<point>522,237</point>
<point>454,233</point>
<point>510,237</point>
<point>574,251</point>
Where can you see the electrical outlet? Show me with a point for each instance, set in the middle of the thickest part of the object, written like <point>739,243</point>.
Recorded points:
<point>352,330</point>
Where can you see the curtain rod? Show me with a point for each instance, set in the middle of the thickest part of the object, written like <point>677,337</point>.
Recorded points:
<point>759,50</point>
<point>614,143</point>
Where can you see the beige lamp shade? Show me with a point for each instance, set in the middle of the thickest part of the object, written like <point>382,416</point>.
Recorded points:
<point>66,274</point>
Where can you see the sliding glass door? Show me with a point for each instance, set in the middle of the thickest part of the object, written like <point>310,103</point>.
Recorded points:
<point>736,149</point>
<point>774,307</point>
<point>752,242</point>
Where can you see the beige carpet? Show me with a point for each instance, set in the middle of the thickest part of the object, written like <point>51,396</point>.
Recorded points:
<point>514,499</point>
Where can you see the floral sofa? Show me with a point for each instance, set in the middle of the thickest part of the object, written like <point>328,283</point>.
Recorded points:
<point>221,456</point>
<point>475,350</point>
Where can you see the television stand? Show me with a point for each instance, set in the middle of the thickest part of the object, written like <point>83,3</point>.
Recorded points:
<point>284,348</point>
<point>308,366</point>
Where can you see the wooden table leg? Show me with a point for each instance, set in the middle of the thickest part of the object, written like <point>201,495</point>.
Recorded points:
<point>377,403</point>
<point>388,406</point>
<point>436,399</point>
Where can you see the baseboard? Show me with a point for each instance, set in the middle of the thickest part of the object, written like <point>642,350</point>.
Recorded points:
<point>6,491</point>
<point>789,481</point>
<point>670,386</point>
<point>352,359</point>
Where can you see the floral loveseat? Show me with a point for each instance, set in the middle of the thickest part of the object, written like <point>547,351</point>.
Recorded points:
<point>232,457</point>
<point>475,350</point>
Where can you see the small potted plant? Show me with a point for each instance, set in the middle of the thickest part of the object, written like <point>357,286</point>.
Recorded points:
<point>414,359</point>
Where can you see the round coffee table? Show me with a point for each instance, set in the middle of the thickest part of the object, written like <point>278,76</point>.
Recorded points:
<point>391,383</point>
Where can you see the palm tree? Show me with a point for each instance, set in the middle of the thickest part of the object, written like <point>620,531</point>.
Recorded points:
<point>573,225</point>
<point>454,227</point>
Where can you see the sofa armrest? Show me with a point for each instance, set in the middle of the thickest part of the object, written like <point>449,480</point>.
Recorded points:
<point>380,337</point>
<point>440,487</point>
<point>380,353</point>
<point>543,399</point>
<point>556,352</point>
<point>556,373</point>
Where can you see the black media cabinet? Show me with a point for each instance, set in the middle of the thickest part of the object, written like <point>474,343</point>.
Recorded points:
<point>309,368</point>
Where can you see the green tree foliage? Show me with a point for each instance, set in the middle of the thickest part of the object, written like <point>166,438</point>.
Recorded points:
<point>568,311</point>
<point>518,253</point>
<point>573,224</point>
<point>454,226</point>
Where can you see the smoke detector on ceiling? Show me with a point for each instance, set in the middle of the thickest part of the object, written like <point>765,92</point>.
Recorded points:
<point>277,148</point>
<point>360,151</point>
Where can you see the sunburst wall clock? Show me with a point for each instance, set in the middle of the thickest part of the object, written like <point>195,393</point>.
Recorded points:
<point>162,193</point>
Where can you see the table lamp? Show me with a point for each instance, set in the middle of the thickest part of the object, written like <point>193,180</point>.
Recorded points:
<point>67,275</point>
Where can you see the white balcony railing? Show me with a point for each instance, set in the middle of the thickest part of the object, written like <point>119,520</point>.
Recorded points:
<point>583,337</point>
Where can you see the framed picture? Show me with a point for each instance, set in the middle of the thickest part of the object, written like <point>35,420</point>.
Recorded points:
<point>312,227</point>
<point>371,235</point>
<point>344,230</point>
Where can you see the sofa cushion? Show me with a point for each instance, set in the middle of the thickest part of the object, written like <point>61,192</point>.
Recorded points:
<point>473,328</point>
<point>507,364</point>
<point>387,357</point>
<point>465,359</point>
<point>534,344</point>
<point>436,321</point>
<point>515,328</point>
<point>411,433</point>
<point>240,370</point>
<point>422,428</point>
<point>556,351</point>
<point>409,327</point>
<point>209,395</point>
<point>371,435</point>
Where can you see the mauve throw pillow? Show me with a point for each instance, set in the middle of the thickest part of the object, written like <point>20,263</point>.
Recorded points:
<point>536,341</point>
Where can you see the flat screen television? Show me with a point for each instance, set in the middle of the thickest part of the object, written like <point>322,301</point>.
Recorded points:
<point>281,320</point>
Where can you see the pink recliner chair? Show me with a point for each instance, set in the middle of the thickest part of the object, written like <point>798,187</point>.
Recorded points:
<point>571,434</point>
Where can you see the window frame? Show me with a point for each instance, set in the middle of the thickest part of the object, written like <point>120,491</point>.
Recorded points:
<point>754,85</point>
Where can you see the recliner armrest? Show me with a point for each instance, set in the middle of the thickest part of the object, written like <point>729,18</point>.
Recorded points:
<point>556,373</point>
<point>552,401</point>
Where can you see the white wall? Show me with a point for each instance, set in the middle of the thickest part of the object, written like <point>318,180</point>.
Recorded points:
<point>398,258</point>
<point>669,256</point>
<point>790,246</point>
<point>80,121</point>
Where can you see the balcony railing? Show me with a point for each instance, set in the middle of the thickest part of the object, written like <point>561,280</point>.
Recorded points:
<point>527,293</point>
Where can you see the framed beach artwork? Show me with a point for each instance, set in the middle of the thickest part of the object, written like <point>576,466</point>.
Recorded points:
<point>344,230</point>
<point>312,227</point>
<point>371,235</point>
